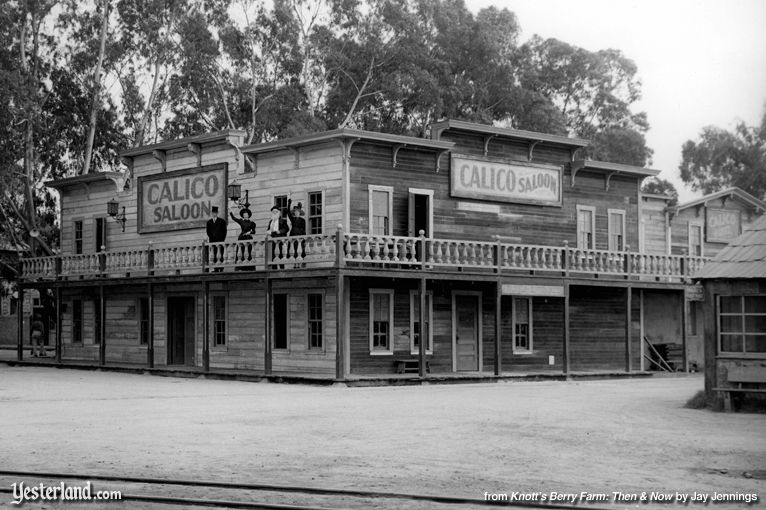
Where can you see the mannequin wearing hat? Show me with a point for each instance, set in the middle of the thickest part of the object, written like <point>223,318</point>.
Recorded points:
<point>247,226</point>
<point>216,227</point>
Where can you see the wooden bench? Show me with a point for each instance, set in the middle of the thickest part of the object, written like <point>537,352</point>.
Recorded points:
<point>406,366</point>
<point>754,374</point>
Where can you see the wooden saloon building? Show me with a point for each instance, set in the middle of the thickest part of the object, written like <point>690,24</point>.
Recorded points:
<point>500,250</point>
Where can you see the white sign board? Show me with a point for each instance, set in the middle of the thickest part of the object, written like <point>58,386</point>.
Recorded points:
<point>505,182</point>
<point>510,289</point>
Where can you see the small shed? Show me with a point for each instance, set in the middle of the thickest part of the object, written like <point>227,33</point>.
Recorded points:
<point>735,313</point>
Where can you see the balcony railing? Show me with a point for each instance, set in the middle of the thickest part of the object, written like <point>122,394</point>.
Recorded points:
<point>364,251</point>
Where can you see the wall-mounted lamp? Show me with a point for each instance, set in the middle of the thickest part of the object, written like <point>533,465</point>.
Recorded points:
<point>234,190</point>
<point>112,208</point>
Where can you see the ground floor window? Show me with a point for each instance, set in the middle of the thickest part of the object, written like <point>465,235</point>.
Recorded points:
<point>280,318</point>
<point>415,322</point>
<point>522,325</point>
<point>742,324</point>
<point>77,321</point>
<point>315,316</point>
<point>219,320</point>
<point>381,321</point>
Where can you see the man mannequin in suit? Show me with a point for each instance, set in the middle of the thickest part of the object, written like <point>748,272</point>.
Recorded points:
<point>216,227</point>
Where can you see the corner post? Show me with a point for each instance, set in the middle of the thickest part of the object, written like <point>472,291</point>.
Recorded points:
<point>340,326</point>
<point>566,258</point>
<point>498,328</point>
<point>59,310</point>
<point>20,317</point>
<point>206,326</point>
<point>150,326</point>
<point>205,256</point>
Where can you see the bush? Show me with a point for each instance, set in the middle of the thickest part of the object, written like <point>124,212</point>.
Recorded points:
<point>699,401</point>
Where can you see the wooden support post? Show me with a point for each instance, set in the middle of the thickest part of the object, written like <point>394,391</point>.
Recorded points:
<point>267,323</point>
<point>206,326</point>
<point>498,328</point>
<point>340,256</point>
<point>423,343</point>
<point>340,326</point>
<point>20,317</point>
<point>641,329</point>
<point>59,310</point>
<point>102,326</point>
<point>150,326</point>
<point>628,325</point>
<point>684,330</point>
<point>565,361</point>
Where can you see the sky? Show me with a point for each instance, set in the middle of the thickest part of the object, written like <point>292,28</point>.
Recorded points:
<point>701,62</point>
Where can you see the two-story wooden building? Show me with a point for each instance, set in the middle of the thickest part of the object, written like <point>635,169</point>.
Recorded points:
<point>501,250</point>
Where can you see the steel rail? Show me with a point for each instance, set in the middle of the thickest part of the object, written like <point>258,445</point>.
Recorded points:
<point>450,500</point>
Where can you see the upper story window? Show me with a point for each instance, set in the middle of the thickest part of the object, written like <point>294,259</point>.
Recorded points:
<point>281,202</point>
<point>316,208</point>
<point>100,233</point>
<point>78,237</point>
<point>695,240</point>
<point>586,227</point>
<point>380,209</point>
<point>616,230</point>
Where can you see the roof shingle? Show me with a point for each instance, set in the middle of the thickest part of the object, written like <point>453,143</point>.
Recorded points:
<point>745,257</point>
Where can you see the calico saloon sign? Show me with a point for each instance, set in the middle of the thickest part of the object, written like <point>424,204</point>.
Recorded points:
<point>181,199</point>
<point>504,182</point>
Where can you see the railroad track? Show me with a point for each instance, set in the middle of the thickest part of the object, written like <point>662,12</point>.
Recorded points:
<point>161,492</point>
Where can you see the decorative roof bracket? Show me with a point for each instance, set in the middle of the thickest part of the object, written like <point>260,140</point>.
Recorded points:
<point>297,154</point>
<point>576,167</point>
<point>607,179</point>
<point>439,155</point>
<point>159,155</point>
<point>195,148</point>
<point>395,152</point>
<point>486,143</point>
<point>532,149</point>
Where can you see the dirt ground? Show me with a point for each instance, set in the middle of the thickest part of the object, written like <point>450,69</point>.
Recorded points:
<point>599,436</point>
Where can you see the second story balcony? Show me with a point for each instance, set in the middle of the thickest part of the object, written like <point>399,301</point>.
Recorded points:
<point>366,252</point>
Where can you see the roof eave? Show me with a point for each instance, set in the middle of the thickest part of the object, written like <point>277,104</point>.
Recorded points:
<point>182,142</point>
<point>519,134</point>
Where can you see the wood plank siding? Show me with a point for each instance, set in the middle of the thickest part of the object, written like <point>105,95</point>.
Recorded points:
<point>469,219</point>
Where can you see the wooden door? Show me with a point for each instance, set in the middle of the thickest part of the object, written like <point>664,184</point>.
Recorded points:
<point>181,331</point>
<point>466,321</point>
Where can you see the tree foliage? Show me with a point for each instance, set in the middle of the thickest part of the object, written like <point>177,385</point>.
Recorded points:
<point>278,69</point>
<point>720,159</point>
<point>657,186</point>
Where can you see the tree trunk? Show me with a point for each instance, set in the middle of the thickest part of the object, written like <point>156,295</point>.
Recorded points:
<point>96,90</point>
<point>139,141</point>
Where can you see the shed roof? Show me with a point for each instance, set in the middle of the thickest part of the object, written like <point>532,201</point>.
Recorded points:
<point>86,179</point>
<point>745,257</point>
